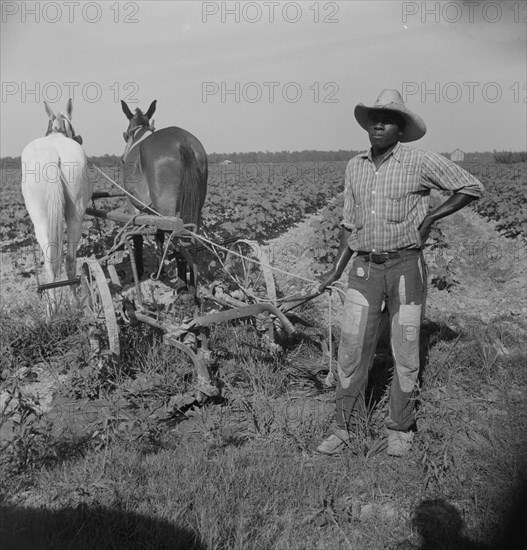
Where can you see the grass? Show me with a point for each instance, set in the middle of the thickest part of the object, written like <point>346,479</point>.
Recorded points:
<point>28,338</point>
<point>240,472</point>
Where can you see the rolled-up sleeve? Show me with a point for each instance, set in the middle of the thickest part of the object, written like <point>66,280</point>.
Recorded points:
<point>438,172</point>
<point>349,202</point>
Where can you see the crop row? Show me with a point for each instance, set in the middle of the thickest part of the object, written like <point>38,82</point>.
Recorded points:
<point>262,201</point>
<point>505,198</point>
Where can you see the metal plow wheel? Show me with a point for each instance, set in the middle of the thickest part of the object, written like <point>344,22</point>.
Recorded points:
<point>99,308</point>
<point>247,264</point>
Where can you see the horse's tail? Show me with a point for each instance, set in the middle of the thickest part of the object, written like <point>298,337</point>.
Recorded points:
<point>55,202</point>
<point>193,188</point>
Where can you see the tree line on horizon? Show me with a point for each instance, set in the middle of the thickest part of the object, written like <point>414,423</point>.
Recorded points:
<point>312,155</point>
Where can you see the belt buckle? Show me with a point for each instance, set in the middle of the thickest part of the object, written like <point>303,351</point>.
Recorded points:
<point>382,257</point>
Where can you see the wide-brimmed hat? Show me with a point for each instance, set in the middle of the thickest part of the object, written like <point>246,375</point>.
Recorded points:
<point>391,100</point>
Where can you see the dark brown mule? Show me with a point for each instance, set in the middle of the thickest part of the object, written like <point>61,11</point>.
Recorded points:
<point>167,171</point>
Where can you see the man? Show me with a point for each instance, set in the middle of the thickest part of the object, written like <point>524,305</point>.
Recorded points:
<point>386,222</point>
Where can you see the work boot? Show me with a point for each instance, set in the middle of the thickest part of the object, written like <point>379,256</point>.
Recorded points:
<point>335,443</point>
<point>399,443</point>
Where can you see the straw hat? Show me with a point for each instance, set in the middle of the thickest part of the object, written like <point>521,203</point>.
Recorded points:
<point>391,100</point>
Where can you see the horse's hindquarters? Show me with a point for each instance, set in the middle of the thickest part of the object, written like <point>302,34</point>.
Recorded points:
<point>174,164</point>
<point>56,187</point>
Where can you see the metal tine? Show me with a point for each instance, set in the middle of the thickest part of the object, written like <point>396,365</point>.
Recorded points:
<point>300,299</point>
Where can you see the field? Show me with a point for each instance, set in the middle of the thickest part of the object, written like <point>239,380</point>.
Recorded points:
<point>114,459</point>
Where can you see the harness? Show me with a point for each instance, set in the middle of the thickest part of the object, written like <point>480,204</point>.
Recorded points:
<point>131,132</point>
<point>136,135</point>
<point>56,126</point>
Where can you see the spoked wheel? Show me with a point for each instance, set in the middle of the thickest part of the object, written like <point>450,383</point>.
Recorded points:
<point>99,309</point>
<point>247,265</point>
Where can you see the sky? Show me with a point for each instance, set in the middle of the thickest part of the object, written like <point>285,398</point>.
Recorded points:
<point>266,76</point>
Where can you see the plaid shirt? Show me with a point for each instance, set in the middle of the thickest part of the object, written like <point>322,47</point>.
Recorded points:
<point>384,207</point>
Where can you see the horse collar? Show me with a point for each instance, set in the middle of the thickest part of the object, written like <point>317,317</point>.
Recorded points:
<point>147,130</point>
<point>136,129</point>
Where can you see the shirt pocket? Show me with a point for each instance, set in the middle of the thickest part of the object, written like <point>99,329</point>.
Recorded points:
<point>399,206</point>
<point>396,207</point>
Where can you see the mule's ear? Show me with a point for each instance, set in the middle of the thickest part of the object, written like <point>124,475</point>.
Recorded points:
<point>69,108</point>
<point>49,111</point>
<point>151,109</point>
<point>126,110</point>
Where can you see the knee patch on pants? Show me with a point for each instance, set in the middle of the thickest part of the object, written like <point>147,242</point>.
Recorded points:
<point>405,345</point>
<point>352,335</point>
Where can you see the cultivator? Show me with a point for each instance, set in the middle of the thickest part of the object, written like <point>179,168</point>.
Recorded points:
<point>236,282</point>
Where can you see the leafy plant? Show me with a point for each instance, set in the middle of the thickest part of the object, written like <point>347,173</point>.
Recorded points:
<point>28,444</point>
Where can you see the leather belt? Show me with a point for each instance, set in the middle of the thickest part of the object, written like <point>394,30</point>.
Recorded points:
<point>383,257</point>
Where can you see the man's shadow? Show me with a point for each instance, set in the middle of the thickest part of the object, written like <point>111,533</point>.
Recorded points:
<point>438,525</point>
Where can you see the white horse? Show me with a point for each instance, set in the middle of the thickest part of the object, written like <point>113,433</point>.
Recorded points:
<point>56,187</point>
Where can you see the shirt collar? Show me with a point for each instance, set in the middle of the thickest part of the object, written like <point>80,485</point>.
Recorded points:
<point>396,152</point>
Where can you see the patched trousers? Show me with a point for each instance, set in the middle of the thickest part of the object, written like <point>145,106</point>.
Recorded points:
<point>398,285</point>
